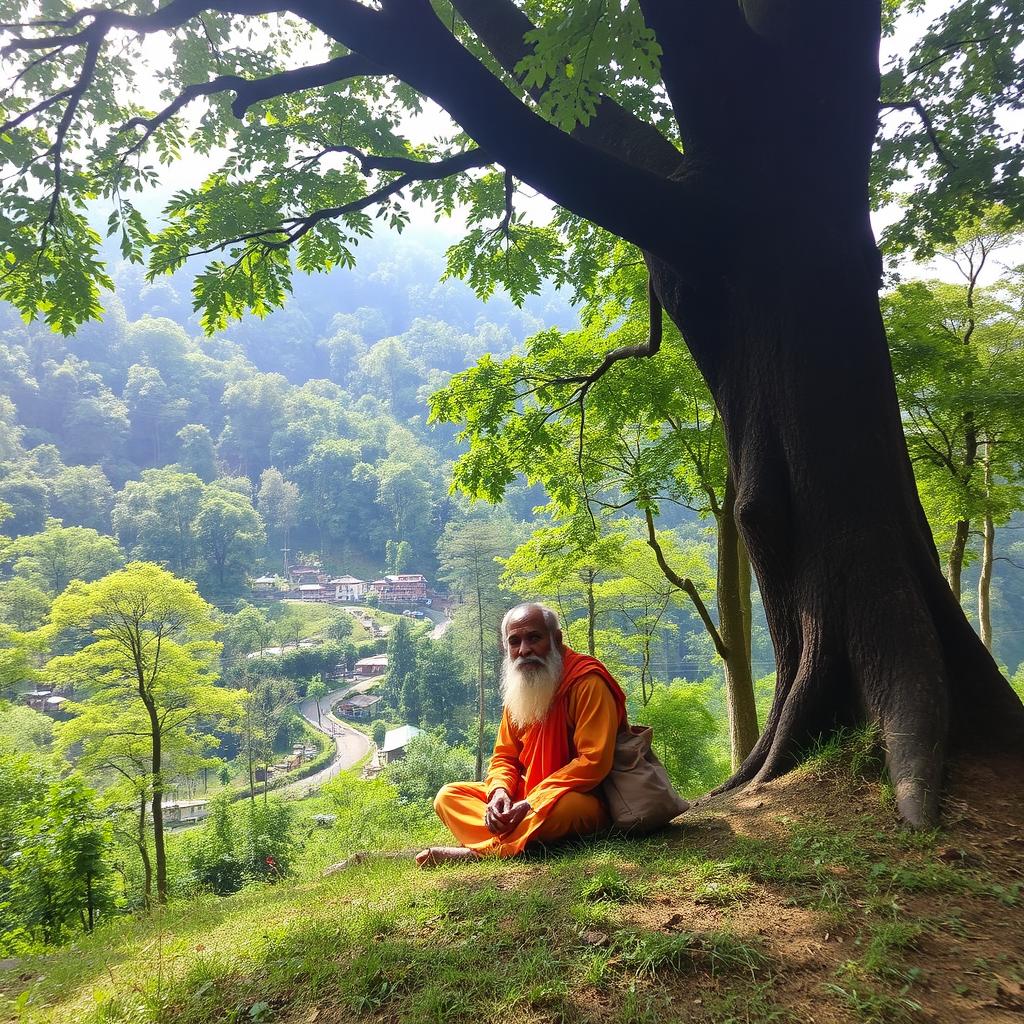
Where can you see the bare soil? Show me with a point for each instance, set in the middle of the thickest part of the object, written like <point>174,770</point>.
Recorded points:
<point>967,963</point>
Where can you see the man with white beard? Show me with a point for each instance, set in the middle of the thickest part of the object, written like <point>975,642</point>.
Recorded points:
<point>555,745</point>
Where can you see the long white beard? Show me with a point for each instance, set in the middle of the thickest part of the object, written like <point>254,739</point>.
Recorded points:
<point>527,689</point>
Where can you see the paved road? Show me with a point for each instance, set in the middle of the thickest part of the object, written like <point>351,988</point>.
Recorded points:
<point>352,745</point>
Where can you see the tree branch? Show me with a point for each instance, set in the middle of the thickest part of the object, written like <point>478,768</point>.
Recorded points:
<point>407,39</point>
<point>251,91</point>
<point>290,230</point>
<point>684,584</point>
<point>501,27</point>
<point>643,350</point>
<point>918,107</point>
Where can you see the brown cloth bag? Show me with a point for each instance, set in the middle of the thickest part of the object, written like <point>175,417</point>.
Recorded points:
<point>639,795</point>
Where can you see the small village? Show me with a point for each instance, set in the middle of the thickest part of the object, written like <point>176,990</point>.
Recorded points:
<point>337,715</point>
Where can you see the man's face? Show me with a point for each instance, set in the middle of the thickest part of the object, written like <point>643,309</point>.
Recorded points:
<point>528,641</point>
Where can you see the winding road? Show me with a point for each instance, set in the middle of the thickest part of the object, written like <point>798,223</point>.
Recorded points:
<point>352,745</point>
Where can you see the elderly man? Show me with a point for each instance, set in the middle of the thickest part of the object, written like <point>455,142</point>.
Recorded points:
<point>555,745</point>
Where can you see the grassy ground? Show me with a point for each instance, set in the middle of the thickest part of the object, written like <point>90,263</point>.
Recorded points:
<point>800,902</point>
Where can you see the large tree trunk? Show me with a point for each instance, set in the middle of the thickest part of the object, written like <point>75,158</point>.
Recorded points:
<point>782,317</point>
<point>863,622</point>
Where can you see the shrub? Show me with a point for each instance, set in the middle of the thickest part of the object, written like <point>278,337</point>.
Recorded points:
<point>268,842</point>
<point>370,816</point>
<point>687,736</point>
<point>429,764</point>
<point>212,860</point>
<point>237,844</point>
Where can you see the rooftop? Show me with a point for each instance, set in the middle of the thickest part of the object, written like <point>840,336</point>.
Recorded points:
<point>362,700</point>
<point>395,739</point>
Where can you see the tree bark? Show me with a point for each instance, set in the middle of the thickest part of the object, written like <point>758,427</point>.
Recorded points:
<point>159,846</point>
<point>783,320</point>
<point>481,694</point>
<point>147,867</point>
<point>734,627</point>
<point>955,558</point>
<point>864,625</point>
<point>987,556</point>
<point>590,574</point>
<point>745,603</point>
<point>985,582</point>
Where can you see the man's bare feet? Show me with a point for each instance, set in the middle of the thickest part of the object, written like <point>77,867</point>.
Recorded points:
<point>433,856</point>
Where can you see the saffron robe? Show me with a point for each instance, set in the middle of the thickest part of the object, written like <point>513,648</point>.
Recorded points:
<point>554,765</point>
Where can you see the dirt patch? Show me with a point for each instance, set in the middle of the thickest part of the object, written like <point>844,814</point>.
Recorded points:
<point>883,925</point>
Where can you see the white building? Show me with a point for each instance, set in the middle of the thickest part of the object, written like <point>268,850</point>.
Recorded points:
<point>348,588</point>
<point>184,812</point>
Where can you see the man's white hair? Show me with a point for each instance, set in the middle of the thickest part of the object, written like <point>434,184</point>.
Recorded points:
<point>550,618</point>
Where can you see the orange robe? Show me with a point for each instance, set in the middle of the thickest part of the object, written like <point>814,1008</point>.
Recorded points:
<point>554,765</point>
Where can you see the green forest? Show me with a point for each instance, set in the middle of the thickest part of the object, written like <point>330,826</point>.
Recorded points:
<point>649,365</point>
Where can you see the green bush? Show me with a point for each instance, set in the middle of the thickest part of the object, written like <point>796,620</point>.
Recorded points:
<point>268,843</point>
<point>211,857</point>
<point>1017,682</point>
<point>429,764</point>
<point>687,736</point>
<point>379,729</point>
<point>250,841</point>
<point>371,815</point>
<point>55,848</point>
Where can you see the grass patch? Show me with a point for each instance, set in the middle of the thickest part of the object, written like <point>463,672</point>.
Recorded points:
<point>753,1005</point>
<point>771,862</point>
<point>652,954</point>
<point>608,885</point>
<point>869,1006</point>
<point>848,753</point>
<point>719,883</point>
<point>884,943</point>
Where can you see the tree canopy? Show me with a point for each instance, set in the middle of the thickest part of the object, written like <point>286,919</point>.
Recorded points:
<point>582,104</point>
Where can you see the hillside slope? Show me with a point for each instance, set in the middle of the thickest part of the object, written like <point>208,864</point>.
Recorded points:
<point>802,901</point>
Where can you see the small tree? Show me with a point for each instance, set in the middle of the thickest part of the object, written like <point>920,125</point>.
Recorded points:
<point>57,871</point>
<point>81,840</point>
<point>148,649</point>
<point>317,690</point>
<point>266,713</point>
<point>429,764</point>
<point>686,736</point>
<point>60,554</point>
<point>443,686</point>
<point>401,662</point>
